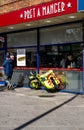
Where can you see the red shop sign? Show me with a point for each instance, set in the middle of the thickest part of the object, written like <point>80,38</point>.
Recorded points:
<point>42,11</point>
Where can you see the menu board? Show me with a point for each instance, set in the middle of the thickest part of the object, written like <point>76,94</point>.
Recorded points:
<point>21,57</point>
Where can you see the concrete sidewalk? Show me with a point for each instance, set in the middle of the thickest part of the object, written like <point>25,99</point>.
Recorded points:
<point>26,109</point>
<point>33,92</point>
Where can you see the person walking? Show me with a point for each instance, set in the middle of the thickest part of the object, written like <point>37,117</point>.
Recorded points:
<point>8,66</point>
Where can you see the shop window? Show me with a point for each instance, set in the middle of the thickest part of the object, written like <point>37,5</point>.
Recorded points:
<point>77,50</point>
<point>49,56</point>
<point>65,47</point>
<point>77,47</point>
<point>58,43</point>
<point>61,34</point>
<point>79,60</point>
<point>2,42</point>
<point>1,57</point>
<point>22,39</point>
<point>29,55</point>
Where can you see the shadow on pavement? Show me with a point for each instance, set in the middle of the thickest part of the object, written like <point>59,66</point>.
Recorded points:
<point>44,114</point>
<point>2,88</point>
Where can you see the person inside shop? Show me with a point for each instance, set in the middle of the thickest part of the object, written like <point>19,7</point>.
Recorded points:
<point>62,62</point>
<point>70,61</point>
<point>8,66</point>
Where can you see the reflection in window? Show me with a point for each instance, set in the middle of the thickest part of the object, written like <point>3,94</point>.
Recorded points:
<point>51,56</point>
<point>2,42</point>
<point>23,39</point>
<point>31,57</point>
<point>55,42</point>
<point>61,34</point>
<point>1,57</point>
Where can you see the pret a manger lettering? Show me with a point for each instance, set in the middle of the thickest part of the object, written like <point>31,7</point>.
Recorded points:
<point>44,10</point>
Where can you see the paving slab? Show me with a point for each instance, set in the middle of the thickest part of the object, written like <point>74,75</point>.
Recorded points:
<point>26,109</point>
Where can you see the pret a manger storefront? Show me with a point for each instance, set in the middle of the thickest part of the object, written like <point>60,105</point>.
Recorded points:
<point>39,36</point>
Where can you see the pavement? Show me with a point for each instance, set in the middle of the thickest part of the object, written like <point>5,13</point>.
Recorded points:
<point>27,109</point>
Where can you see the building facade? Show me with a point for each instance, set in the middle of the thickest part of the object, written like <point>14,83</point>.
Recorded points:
<point>45,32</point>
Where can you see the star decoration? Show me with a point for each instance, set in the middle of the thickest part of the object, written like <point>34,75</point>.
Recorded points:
<point>21,15</point>
<point>69,5</point>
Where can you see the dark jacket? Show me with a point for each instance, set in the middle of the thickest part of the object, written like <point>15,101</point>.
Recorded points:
<point>8,67</point>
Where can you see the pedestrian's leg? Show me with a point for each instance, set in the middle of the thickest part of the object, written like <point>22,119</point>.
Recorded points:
<point>6,80</point>
<point>9,82</point>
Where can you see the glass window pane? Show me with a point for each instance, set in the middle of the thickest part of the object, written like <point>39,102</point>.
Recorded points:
<point>2,42</point>
<point>77,47</point>
<point>61,34</point>
<point>1,57</point>
<point>28,38</point>
<point>30,56</point>
<point>56,56</point>
<point>49,56</point>
<point>65,47</point>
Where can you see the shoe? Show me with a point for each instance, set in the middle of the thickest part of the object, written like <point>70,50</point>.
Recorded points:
<point>8,87</point>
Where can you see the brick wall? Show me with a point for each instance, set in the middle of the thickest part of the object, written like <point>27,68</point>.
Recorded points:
<point>11,5</point>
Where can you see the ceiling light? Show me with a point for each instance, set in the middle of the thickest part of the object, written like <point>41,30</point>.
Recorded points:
<point>28,24</point>
<point>47,21</point>
<point>11,27</point>
<point>72,17</point>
